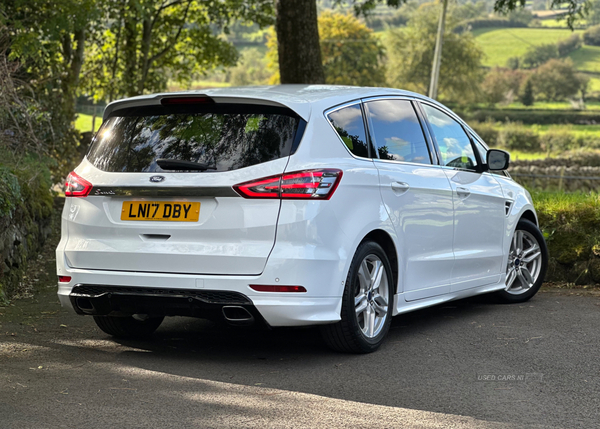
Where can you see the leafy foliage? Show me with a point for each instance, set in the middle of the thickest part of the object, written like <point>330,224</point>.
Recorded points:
<point>575,9</point>
<point>250,70</point>
<point>591,36</point>
<point>568,45</point>
<point>557,80</point>
<point>410,55</point>
<point>501,85</point>
<point>526,95</point>
<point>351,53</point>
<point>538,55</point>
<point>146,43</point>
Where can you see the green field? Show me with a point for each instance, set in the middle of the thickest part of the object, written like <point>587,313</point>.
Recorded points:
<point>84,122</point>
<point>499,44</point>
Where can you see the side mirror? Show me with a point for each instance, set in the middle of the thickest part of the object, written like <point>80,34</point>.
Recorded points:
<point>498,159</point>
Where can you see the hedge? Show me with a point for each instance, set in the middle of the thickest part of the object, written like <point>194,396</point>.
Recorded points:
<point>529,117</point>
<point>571,225</point>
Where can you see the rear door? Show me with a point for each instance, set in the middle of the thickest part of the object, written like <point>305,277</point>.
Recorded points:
<point>162,197</point>
<point>417,195</point>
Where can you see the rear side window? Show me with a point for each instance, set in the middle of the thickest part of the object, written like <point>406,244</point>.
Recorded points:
<point>348,123</point>
<point>223,137</point>
<point>396,131</point>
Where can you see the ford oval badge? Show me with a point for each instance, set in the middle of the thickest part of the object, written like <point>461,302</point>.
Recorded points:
<point>157,179</point>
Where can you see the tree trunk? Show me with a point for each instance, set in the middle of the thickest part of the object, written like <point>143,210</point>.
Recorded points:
<point>298,42</point>
<point>144,60</point>
<point>130,50</point>
<point>72,63</point>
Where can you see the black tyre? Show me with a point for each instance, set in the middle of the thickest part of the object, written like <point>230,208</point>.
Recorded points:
<point>527,264</point>
<point>367,303</point>
<point>128,327</point>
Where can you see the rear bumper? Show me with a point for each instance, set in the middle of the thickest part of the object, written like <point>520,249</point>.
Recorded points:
<point>97,300</point>
<point>275,309</point>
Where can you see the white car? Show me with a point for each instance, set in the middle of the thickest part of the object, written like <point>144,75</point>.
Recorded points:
<point>291,205</point>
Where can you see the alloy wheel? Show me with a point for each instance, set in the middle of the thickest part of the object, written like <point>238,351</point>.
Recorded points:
<point>371,300</point>
<point>524,263</point>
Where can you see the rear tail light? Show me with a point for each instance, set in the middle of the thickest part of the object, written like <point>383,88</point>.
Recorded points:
<point>77,186</point>
<point>64,279</point>
<point>308,184</point>
<point>271,288</point>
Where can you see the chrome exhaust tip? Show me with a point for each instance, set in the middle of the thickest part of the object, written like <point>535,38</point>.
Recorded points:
<point>237,315</point>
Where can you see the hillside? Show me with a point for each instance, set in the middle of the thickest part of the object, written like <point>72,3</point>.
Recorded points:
<point>499,44</point>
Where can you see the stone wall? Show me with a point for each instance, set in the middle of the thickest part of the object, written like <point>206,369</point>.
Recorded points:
<point>26,208</point>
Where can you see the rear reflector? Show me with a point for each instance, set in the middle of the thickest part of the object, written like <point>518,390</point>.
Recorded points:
<point>167,101</point>
<point>308,184</point>
<point>77,186</point>
<point>64,279</point>
<point>270,288</point>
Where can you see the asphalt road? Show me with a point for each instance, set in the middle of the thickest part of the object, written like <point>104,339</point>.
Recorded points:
<point>470,364</point>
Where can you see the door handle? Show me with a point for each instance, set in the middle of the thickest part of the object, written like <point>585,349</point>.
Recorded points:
<point>400,187</point>
<point>463,192</point>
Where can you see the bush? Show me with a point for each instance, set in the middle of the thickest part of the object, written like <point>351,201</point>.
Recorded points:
<point>568,45</point>
<point>487,131</point>
<point>501,85</point>
<point>558,141</point>
<point>474,24</point>
<point>529,117</point>
<point>557,80</point>
<point>591,36</point>
<point>516,137</point>
<point>513,63</point>
<point>351,53</point>
<point>571,225</point>
<point>538,55</point>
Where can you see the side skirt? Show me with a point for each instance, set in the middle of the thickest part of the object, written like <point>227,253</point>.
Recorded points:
<point>403,306</point>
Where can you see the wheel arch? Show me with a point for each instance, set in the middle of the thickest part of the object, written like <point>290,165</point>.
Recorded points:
<point>530,216</point>
<point>382,238</point>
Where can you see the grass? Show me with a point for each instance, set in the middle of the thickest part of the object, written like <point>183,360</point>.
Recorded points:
<point>499,44</point>
<point>517,155</point>
<point>199,84</point>
<point>83,123</point>
<point>548,105</point>
<point>587,58</point>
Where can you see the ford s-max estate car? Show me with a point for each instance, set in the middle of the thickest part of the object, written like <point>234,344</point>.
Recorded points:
<point>291,205</point>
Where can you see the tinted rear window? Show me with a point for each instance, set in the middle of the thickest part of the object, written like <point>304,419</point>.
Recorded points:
<point>225,137</point>
<point>348,123</point>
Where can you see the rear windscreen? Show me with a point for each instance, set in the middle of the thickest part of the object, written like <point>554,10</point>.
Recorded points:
<point>223,137</point>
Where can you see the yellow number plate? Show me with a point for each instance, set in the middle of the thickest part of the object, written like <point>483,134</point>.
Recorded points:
<point>160,210</point>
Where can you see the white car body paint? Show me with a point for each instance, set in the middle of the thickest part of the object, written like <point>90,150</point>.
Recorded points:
<point>447,246</point>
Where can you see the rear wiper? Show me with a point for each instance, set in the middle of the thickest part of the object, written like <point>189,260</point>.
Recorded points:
<point>176,164</point>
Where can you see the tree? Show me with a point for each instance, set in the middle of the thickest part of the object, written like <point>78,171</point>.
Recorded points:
<point>501,85</point>
<point>251,70</point>
<point>537,55</point>
<point>149,42</point>
<point>526,95</point>
<point>350,52</point>
<point>410,54</point>
<point>48,39</point>
<point>298,42</point>
<point>557,80</point>
<point>292,12</point>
